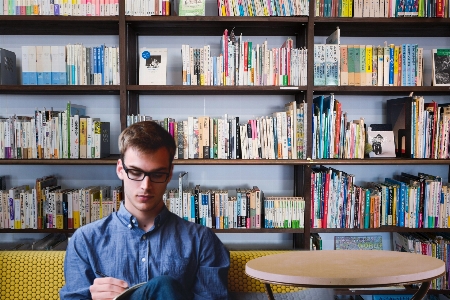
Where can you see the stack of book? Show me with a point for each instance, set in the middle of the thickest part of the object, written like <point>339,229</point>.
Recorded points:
<point>333,135</point>
<point>68,134</point>
<point>381,8</point>
<point>412,201</point>
<point>283,135</point>
<point>70,65</point>
<point>425,243</point>
<point>368,65</point>
<point>148,8</point>
<point>61,8</point>
<point>48,205</point>
<point>249,8</point>
<point>244,63</point>
<point>421,129</point>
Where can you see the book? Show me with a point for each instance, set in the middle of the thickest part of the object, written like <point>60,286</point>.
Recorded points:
<point>8,72</point>
<point>358,242</point>
<point>319,64</point>
<point>440,71</point>
<point>101,139</point>
<point>152,66</point>
<point>191,7</point>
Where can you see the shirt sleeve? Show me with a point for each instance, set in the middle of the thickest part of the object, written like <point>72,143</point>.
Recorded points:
<point>212,274</point>
<point>78,273</point>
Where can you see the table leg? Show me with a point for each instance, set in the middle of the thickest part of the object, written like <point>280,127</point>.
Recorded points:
<point>269,291</point>
<point>422,291</point>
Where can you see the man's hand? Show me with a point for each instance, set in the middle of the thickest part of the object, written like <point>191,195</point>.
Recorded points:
<point>107,288</point>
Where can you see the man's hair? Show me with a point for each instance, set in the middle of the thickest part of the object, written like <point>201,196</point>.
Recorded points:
<point>146,137</point>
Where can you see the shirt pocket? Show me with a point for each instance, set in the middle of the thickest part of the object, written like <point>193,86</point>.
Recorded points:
<point>175,267</point>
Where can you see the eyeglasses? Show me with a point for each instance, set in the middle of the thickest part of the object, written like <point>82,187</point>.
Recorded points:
<point>137,175</point>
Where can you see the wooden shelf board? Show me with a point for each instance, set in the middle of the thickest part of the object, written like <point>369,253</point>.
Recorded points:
<point>385,27</point>
<point>59,25</point>
<point>214,26</point>
<point>60,89</point>
<point>381,229</point>
<point>214,90</point>
<point>383,90</point>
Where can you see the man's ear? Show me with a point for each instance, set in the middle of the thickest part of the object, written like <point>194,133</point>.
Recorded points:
<point>119,168</point>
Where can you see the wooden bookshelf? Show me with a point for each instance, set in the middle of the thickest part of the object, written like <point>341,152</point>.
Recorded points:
<point>301,29</point>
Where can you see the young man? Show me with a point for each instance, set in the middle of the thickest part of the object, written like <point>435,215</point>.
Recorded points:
<point>143,241</point>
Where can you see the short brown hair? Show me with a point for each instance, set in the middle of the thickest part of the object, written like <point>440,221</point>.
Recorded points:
<point>146,137</point>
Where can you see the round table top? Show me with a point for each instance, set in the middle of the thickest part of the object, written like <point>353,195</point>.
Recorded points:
<point>345,268</point>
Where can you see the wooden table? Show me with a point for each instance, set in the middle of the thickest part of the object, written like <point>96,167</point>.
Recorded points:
<point>346,269</point>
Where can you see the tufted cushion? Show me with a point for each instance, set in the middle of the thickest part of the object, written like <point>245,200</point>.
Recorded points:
<point>31,274</point>
<point>238,281</point>
<point>40,274</point>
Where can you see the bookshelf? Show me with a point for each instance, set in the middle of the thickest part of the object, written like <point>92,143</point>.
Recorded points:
<point>131,98</point>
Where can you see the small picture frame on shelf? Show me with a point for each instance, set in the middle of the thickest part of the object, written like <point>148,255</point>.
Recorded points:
<point>191,7</point>
<point>370,242</point>
<point>441,67</point>
<point>382,143</point>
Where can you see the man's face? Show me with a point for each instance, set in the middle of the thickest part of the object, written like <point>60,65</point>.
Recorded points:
<point>144,198</point>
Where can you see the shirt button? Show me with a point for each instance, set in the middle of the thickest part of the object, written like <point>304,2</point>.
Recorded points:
<point>144,237</point>
<point>129,225</point>
<point>143,260</point>
<point>134,221</point>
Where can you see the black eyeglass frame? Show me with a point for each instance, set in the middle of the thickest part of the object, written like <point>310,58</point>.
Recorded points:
<point>146,174</point>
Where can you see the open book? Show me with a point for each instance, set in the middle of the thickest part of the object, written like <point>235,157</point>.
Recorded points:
<point>125,294</point>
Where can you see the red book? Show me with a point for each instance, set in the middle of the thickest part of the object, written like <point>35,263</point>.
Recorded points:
<point>326,196</point>
<point>313,175</point>
<point>439,8</point>
<point>337,136</point>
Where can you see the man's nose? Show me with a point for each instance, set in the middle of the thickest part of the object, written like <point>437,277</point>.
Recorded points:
<point>146,183</point>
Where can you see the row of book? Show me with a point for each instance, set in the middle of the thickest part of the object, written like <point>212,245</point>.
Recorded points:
<point>421,128</point>
<point>244,63</point>
<point>280,136</point>
<point>70,65</point>
<point>261,8</point>
<point>54,135</point>
<point>381,8</point>
<point>48,205</point>
<point>430,127</point>
<point>60,7</point>
<point>425,243</point>
<point>406,200</point>
<point>368,65</point>
<point>246,208</point>
<point>333,135</point>
<point>148,8</point>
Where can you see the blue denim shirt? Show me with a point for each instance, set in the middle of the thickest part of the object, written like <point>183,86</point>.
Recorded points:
<point>117,247</point>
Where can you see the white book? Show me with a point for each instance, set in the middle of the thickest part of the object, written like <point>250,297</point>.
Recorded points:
<point>190,132</point>
<point>152,66</point>
<point>386,61</point>
<point>32,65</point>
<point>74,136</point>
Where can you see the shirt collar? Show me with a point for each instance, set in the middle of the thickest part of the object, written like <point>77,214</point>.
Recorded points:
<point>131,222</point>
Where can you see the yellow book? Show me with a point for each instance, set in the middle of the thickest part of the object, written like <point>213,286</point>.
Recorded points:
<point>396,54</point>
<point>344,12</point>
<point>369,61</point>
<point>83,137</point>
<point>75,208</point>
<point>394,206</point>
<point>350,8</point>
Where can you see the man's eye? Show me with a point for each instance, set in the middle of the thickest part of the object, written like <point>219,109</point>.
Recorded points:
<point>135,173</point>
<point>158,175</point>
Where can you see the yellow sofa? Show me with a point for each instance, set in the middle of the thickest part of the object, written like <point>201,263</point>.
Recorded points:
<point>39,274</point>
